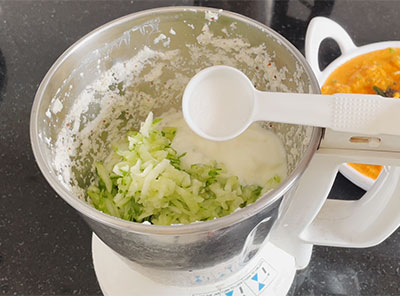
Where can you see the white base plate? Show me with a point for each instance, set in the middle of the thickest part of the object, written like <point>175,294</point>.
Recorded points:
<point>270,272</point>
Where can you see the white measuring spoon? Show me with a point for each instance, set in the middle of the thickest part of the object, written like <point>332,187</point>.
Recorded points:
<point>220,102</point>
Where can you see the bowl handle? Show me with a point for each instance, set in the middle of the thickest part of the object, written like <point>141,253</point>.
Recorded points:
<point>310,219</point>
<point>319,29</point>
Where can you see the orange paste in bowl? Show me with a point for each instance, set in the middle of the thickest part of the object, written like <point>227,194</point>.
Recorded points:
<point>370,73</point>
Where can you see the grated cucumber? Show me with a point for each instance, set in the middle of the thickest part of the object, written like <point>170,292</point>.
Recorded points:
<point>147,183</point>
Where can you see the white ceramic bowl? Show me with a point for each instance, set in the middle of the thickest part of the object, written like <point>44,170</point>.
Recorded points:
<point>319,29</point>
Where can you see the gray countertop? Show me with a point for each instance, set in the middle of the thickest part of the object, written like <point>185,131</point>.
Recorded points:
<point>45,245</point>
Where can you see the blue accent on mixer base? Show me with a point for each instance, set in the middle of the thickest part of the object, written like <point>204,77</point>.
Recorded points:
<point>255,277</point>
<point>260,286</point>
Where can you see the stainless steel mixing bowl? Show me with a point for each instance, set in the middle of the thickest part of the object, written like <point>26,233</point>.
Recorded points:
<point>185,249</point>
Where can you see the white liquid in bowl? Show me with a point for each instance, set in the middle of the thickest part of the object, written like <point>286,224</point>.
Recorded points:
<point>255,156</point>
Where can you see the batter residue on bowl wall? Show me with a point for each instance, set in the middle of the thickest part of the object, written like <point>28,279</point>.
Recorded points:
<point>154,80</point>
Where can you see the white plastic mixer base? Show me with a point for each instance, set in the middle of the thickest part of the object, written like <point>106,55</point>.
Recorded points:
<point>270,272</point>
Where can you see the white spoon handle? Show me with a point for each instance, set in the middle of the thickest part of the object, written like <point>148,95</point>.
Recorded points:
<point>363,114</point>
